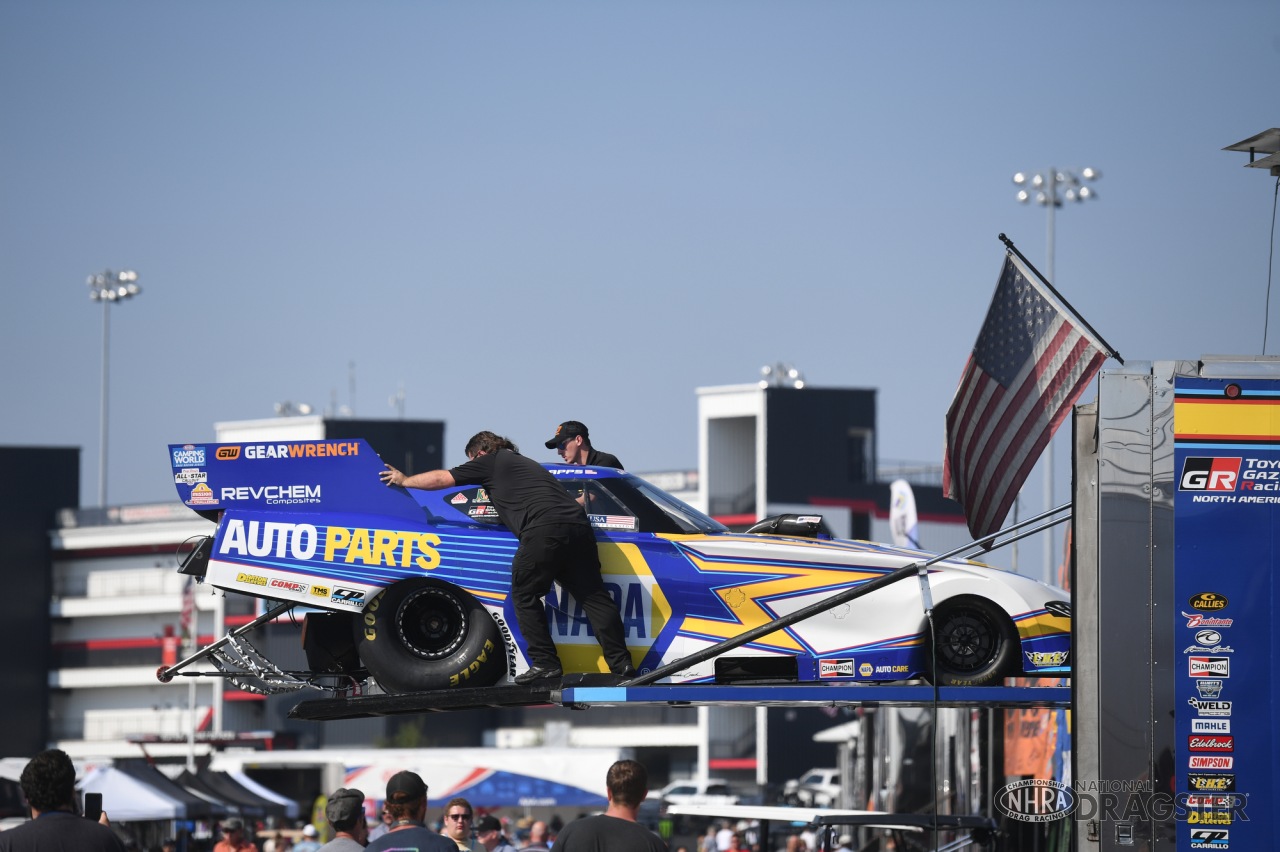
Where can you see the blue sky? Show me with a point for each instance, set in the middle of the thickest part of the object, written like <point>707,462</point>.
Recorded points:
<point>529,212</point>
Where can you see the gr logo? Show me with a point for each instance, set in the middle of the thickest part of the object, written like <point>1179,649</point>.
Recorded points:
<point>1209,474</point>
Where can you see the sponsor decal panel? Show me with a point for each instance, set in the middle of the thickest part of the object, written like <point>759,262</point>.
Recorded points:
<point>1036,800</point>
<point>251,579</point>
<point>1040,659</point>
<point>835,668</point>
<point>201,495</point>
<point>1210,726</point>
<point>288,585</point>
<point>227,453</point>
<point>1210,708</point>
<point>1215,783</point>
<point>1209,666</point>
<point>1211,743</point>
<point>188,456</point>
<point>1209,474</point>
<point>866,670</point>
<point>1208,601</point>
<point>347,597</point>
<point>1210,838</point>
<point>1211,761</point>
<point>1196,619</point>
<point>190,476</point>
<point>301,450</point>
<point>1209,687</point>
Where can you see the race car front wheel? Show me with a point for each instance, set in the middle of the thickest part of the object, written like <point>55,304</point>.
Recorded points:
<point>421,634</point>
<point>975,643</point>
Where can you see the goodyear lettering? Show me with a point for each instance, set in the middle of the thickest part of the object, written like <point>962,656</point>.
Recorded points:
<point>251,579</point>
<point>309,450</point>
<point>266,538</point>
<point>273,494</point>
<point>466,673</point>
<point>358,546</point>
<point>370,622</point>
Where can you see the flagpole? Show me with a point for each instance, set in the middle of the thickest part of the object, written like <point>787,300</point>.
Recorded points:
<point>1111,352</point>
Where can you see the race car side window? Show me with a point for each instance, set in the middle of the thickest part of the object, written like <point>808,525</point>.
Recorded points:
<point>473,503</point>
<point>602,508</point>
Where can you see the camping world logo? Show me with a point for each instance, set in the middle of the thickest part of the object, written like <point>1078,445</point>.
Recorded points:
<point>1209,474</point>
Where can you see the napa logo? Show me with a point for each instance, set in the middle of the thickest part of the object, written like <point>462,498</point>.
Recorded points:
<point>634,597</point>
<point>1036,800</point>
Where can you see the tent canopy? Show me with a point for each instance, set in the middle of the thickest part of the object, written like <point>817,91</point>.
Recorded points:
<point>127,798</point>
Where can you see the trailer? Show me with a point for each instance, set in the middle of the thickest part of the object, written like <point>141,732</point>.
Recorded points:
<point>1176,538</point>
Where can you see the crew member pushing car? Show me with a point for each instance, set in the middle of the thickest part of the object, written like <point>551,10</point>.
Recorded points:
<point>557,544</point>
<point>573,443</point>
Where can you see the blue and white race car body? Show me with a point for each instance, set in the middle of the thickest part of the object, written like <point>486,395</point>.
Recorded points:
<point>309,522</point>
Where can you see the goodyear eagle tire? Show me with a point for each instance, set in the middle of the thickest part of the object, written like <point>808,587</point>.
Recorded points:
<point>421,634</point>
<point>975,643</point>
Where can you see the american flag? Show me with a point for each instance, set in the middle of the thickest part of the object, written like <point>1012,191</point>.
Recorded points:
<point>1030,364</point>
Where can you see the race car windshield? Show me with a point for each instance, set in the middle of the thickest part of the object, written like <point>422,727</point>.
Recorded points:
<point>686,518</point>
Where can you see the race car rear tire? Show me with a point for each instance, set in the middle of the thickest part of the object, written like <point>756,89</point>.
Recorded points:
<point>422,634</point>
<point>975,643</point>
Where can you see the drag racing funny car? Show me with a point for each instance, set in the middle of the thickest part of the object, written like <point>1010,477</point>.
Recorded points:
<point>411,589</point>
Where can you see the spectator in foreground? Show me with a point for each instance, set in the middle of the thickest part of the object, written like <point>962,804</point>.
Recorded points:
<point>627,784</point>
<point>49,784</point>
<point>407,804</point>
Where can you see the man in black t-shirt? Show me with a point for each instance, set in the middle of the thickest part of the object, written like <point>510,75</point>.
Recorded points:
<point>49,784</point>
<point>573,443</point>
<point>615,830</point>
<point>557,544</point>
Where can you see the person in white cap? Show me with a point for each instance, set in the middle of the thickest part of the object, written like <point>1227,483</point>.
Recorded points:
<point>308,843</point>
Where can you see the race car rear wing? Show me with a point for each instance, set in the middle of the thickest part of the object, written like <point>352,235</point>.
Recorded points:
<point>287,476</point>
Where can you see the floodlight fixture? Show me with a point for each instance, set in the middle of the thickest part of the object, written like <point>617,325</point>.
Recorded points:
<point>781,375</point>
<point>1054,186</point>
<point>108,287</point>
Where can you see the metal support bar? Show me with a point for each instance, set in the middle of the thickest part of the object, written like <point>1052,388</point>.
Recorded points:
<point>164,675</point>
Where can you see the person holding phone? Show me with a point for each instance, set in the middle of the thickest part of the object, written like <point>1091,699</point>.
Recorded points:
<point>49,784</point>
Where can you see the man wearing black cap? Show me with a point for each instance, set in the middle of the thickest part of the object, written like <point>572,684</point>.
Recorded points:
<point>407,804</point>
<point>489,832</point>
<point>345,812</point>
<point>573,443</point>
<point>557,545</point>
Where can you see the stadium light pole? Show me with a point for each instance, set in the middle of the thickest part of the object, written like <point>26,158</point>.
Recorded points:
<point>108,288</point>
<point>1050,189</point>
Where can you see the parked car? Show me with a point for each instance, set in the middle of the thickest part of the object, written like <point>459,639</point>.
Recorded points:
<point>817,788</point>
<point>698,791</point>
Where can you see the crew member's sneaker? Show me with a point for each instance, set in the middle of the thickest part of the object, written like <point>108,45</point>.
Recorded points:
<point>539,673</point>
